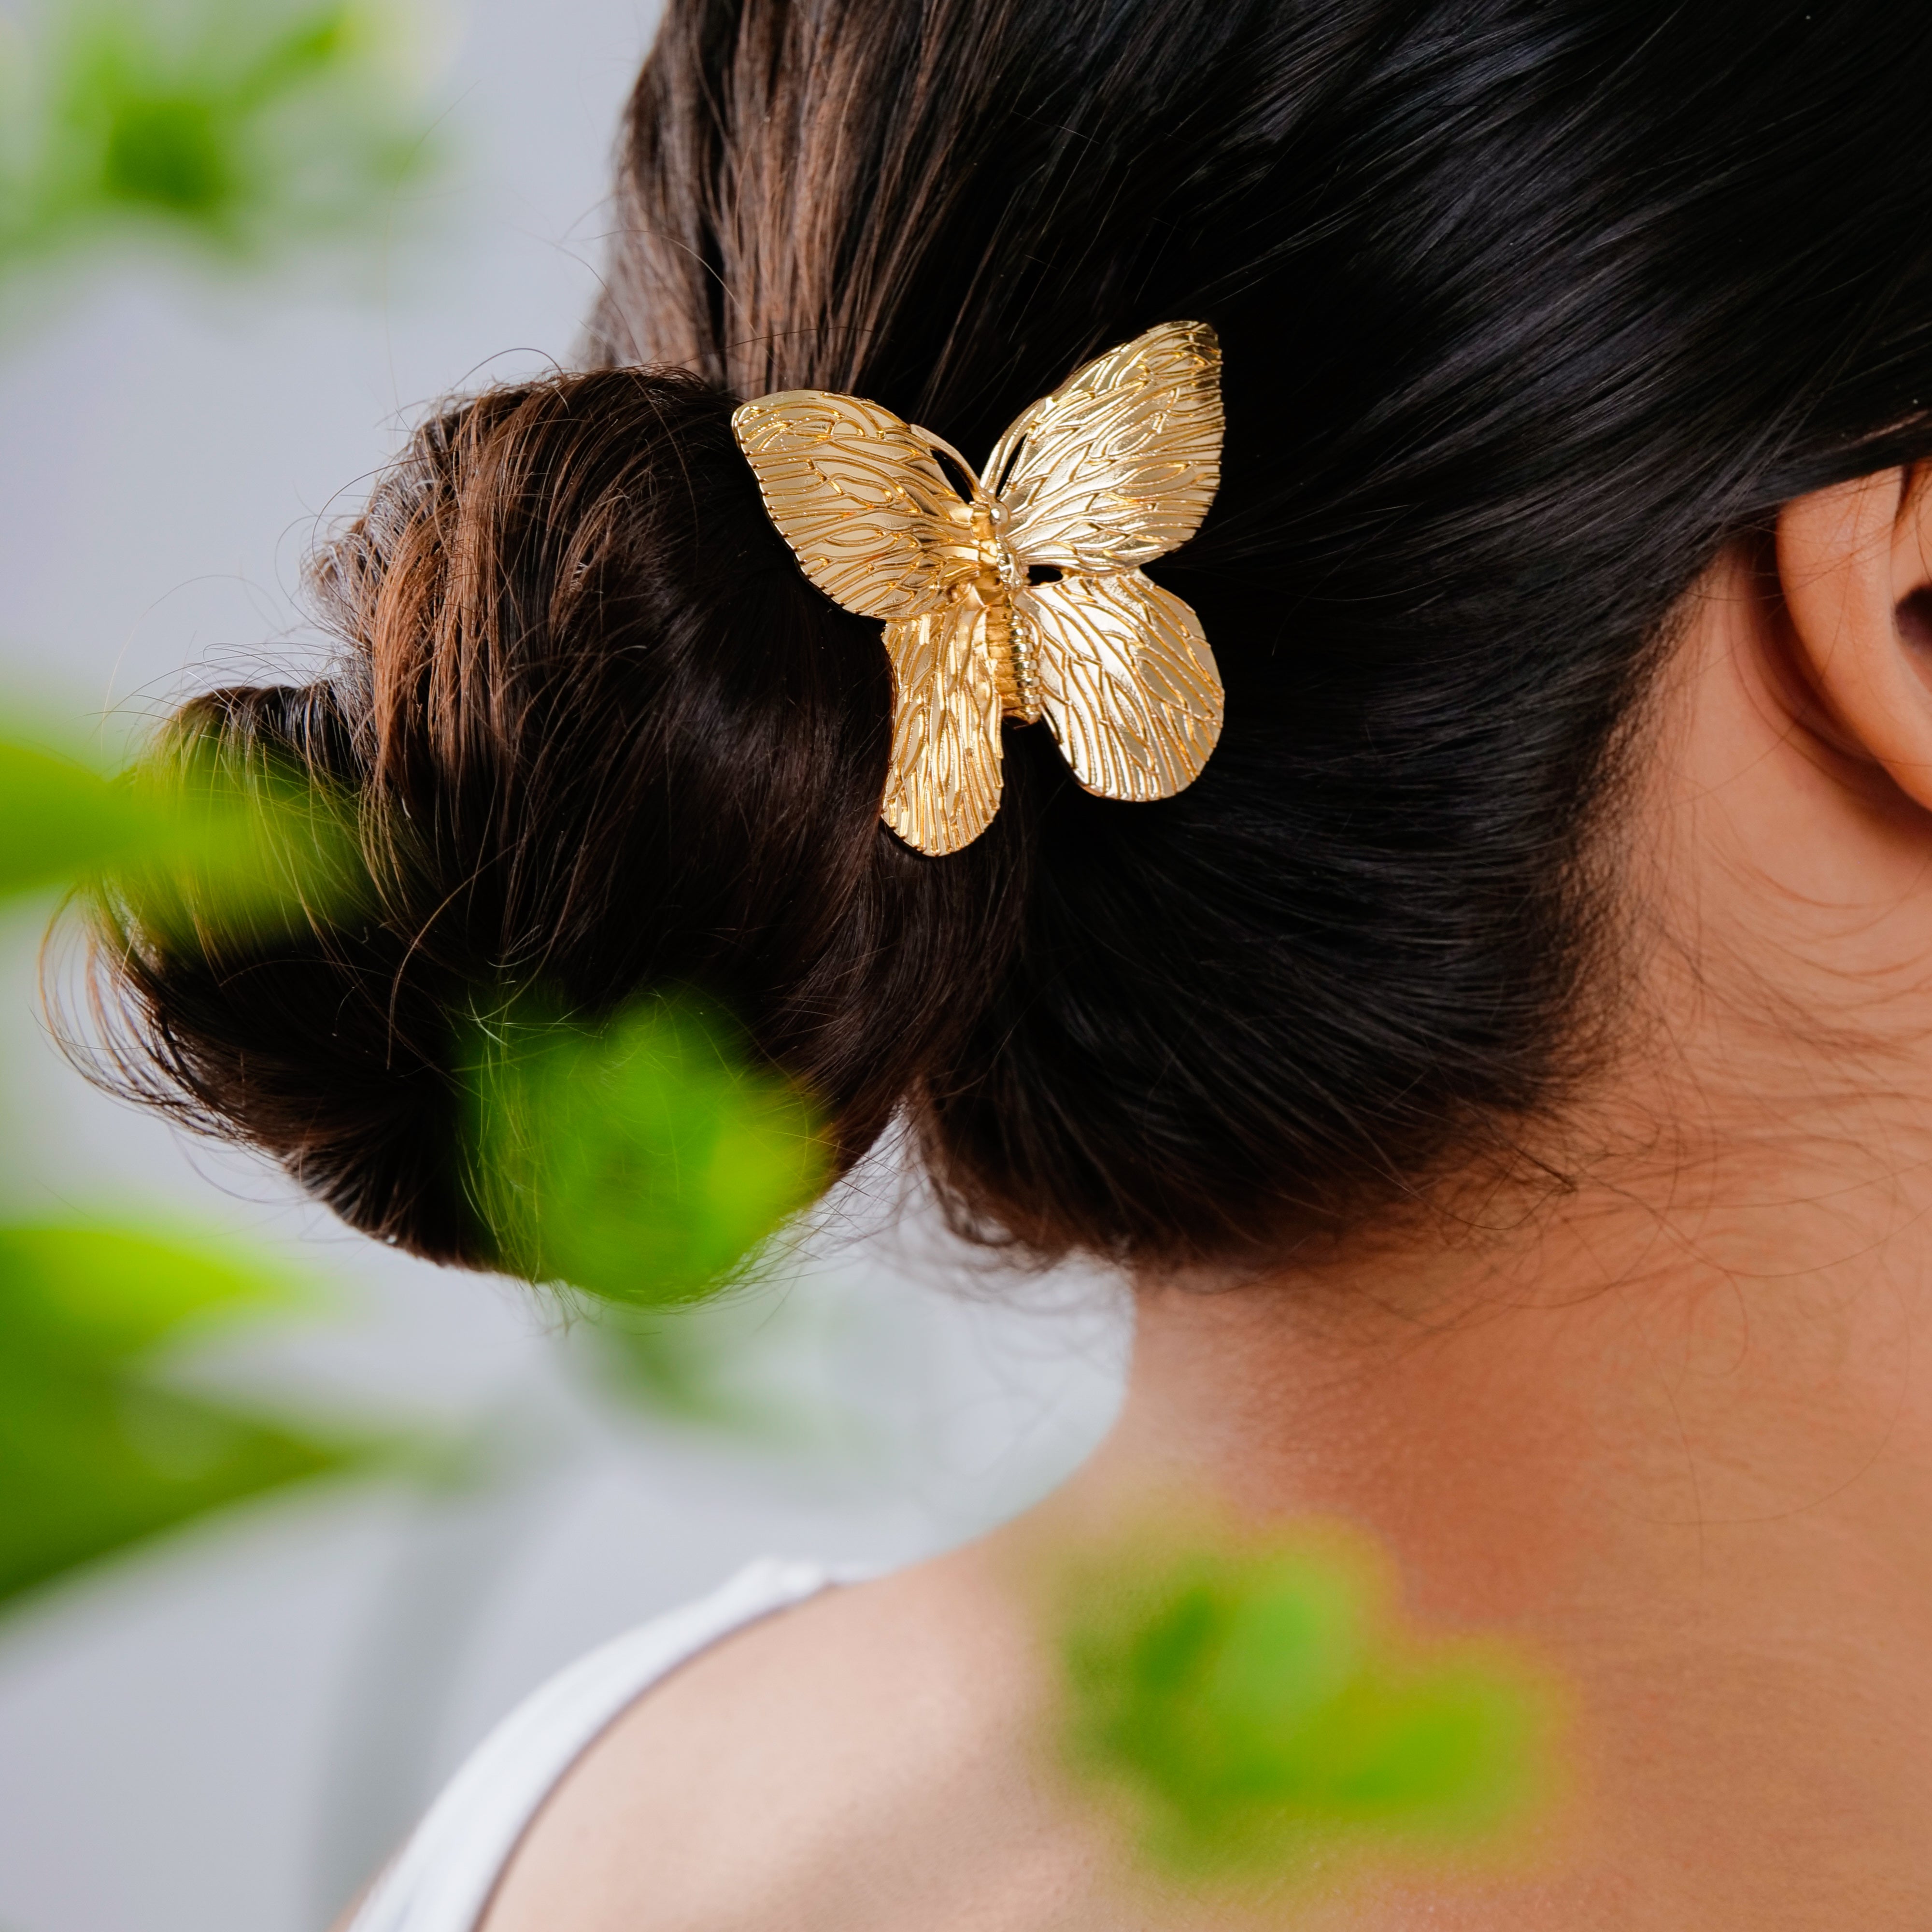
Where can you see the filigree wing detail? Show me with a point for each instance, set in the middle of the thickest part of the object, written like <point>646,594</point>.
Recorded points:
<point>1118,465</point>
<point>943,784</point>
<point>1126,682</point>
<point>860,499</point>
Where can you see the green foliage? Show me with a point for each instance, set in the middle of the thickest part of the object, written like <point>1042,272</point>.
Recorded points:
<point>61,820</point>
<point>244,127</point>
<point>242,124</point>
<point>237,846</point>
<point>1255,1714</point>
<point>641,1160</point>
<point>97,1450</point>
<point>198,836</point>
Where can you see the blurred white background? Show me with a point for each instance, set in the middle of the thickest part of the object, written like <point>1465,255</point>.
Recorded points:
<point>223,1733</point>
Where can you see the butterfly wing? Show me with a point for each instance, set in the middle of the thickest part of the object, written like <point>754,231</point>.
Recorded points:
<point>1126,682</point>
<point>860,499</point>
<point>1119,465</point>
<point>944,781</point>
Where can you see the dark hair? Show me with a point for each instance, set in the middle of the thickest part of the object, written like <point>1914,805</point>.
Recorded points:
<point>1529,307</point>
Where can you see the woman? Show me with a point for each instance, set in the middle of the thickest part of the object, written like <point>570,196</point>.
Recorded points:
<point>1506,1070</point>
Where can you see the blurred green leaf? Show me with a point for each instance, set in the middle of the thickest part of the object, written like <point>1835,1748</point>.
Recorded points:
<point>96,1451</point>
<point>1257,1714</point>
<point>206,838</point>
<point>640,1161</point>
<point>61,820</point>
<point>245,125</point>
<point>239,843</point>
<point>170,154</point>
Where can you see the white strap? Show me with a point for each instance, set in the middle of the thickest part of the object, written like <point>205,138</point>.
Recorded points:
<point>443,1879</point>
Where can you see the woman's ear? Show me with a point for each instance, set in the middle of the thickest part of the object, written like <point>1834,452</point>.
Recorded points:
<point>1855,568</point>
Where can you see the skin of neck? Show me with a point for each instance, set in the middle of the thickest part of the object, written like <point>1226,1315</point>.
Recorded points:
<point>1669,1424</point>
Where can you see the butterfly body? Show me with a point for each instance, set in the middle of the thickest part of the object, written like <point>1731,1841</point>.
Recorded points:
<point>1115,468</point>
<point>990,588</point>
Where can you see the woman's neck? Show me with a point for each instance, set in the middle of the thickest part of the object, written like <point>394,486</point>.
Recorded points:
<point>1683,1449</point>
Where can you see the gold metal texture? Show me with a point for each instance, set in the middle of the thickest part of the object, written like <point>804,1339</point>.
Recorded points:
<point>861,499</point>
<point>1117,466</point>
<point>1126,682</point>
<point>943,783</point>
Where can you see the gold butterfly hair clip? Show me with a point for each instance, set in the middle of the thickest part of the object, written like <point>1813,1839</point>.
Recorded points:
<point>1117,466</point>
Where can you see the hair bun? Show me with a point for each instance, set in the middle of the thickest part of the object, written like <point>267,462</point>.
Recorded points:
<point>602,737</point>
<point>1515,348</point>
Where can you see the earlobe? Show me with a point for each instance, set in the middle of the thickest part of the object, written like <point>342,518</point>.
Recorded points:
<point>1851,562</point>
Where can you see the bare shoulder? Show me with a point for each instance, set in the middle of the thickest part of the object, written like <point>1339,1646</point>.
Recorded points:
<point>871,1757</point>
<point>880,1756</point>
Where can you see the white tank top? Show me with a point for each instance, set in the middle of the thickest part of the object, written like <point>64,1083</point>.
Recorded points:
<point>442,1879</point>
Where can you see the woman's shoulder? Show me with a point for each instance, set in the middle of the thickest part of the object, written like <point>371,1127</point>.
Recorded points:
<point>871,1756</point>
<point>880,1756</point>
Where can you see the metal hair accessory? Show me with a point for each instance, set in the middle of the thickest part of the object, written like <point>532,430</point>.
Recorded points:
<point>1115,468</point>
